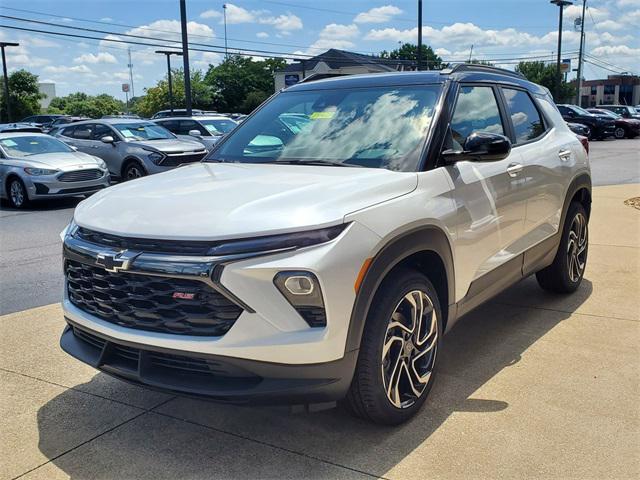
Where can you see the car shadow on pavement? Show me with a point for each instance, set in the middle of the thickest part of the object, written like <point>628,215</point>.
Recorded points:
<point>43,205</point>
<point>189,438</point>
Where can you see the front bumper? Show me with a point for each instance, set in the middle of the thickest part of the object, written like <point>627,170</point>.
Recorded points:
<point>49,186</point>
<point>217,378</point>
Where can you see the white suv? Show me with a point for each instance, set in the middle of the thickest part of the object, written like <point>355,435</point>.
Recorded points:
<point>325,262</point>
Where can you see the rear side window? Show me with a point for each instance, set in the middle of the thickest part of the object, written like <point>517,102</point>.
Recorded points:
<point>83,132</point>
<point>67,132</point>
<point>171,125</point>
<point>527,122</point>
<point>476,111</point>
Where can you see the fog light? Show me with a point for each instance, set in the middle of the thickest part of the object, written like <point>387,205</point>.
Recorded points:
<point>303,292</point>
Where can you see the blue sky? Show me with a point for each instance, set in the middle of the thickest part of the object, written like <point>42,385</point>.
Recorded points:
<point>502,30</point>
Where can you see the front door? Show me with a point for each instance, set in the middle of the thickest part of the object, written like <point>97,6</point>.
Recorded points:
<point>489,195</point>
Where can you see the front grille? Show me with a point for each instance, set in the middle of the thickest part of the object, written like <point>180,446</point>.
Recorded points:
<point>172,160</point>
<point>190,247</point>
<point>147,302</point>
<point>80,175</point>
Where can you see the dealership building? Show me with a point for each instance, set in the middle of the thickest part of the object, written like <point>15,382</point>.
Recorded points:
<point>623,89</point>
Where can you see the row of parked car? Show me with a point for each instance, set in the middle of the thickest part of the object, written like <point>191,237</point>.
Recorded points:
<point>619,121</point>
<point>49,156</point>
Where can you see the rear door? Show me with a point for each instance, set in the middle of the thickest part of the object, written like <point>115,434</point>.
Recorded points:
<point>82,137</point>
<point>490,195</point>
<point>106,151</point>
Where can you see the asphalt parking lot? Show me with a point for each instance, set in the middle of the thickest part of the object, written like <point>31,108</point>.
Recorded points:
<point>531,384</point>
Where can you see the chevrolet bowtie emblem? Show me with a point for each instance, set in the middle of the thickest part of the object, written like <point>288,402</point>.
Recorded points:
<point>115,263</point>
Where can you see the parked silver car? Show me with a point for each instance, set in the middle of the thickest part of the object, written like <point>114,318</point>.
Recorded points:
<point>35,165</point>
<point>207,129</point>
<point>131,148</point>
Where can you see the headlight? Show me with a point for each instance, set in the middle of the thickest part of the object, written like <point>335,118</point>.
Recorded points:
<point>303,292</point>
<point>101,163</point>
<point>40,171</point>
<point>277,242</point>
<point>68,230</point>
<point>156,157</point>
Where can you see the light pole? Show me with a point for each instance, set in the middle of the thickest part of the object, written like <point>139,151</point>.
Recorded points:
<point>419,55</point>
<point>579,96</point>
<point>224,14</point>
<point>168,53</point>
<point>561,4</point>
<point>6,77</point>
<point>185,57</point>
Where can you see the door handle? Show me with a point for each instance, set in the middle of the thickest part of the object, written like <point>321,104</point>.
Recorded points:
<point>514,169</point>
<point>564,155</point>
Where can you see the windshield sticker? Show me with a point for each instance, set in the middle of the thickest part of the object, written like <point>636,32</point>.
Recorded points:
<point>326,115</point>
<point>9,143</point>
<point>127,133</point>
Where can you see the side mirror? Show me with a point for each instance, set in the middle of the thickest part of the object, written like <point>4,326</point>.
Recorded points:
<point>195,133</point>
<point>481,147</point>
<point>107,139</point>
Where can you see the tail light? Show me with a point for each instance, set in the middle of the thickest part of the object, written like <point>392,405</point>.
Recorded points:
<point>585,142</point>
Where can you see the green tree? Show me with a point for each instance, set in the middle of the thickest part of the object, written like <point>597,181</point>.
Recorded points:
<point>157,98</point>
<point>82,105</point>
<point>409,51</point>
<point>545,75</point>
<point>24,96</point>
<point>240,84</point>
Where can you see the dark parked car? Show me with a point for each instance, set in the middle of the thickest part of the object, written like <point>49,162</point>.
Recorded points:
<point>19,127</point>
<point>177,112</point>
<point>623,110</point>
<point>61,121</point>
<point>600,127</point>
<point>42,121</point>
<point>579,129</point>
<point>625,127</point>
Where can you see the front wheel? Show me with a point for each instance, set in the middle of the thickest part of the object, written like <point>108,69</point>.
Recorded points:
<point>619,133</point>
<point>565,274</point>
<point>132,171</point>
<point>17,193</point>
<point>398,353</point>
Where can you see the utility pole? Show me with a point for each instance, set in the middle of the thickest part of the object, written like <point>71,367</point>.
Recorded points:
<point>224,14</point>
<point>6,77</point>
<point>185,57</point>
<point>130,65</point>
<point>561,4</point>
<point>580,53</point>
<point>419,55</point>
<point>470,53</point>
<point>168,53</point>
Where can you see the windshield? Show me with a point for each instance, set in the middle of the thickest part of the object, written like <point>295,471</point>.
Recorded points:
<point>580,110</point>
<point>143,131</point>
<point>607,113</point>
<point>26,146</point>
<point>218,127</point>
<point>377,127</point>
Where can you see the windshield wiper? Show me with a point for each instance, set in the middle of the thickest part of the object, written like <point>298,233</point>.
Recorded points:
<point>317,162</point>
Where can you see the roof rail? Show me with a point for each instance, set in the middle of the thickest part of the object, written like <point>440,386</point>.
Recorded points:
<point>476,67</point>
<point>321,76</point>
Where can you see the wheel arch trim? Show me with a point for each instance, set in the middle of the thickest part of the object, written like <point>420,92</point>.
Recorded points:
<point>426,238</point>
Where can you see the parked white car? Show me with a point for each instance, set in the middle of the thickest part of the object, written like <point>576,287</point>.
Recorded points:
<point>326,261</point>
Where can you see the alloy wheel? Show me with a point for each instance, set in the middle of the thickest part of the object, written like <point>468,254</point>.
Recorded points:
<point>619,132</point>
<point>133,172</point>
<point>409,350</point>
<point>17,193</point>
<point>577,247</point>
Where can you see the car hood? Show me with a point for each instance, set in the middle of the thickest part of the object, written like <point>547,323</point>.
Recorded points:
<point>171,145</point>
<point>211,201</point>
<point>60,161</point>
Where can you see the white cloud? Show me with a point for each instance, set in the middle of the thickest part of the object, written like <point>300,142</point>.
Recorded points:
<point>102,57</point>
<point>334,30</point>
<point>39,42</point>
<point>442,52</point>
<point>81,69</point>
<point>106,43</point>
<point>378,14</point>
<point>151,30</point>
<point>575,11</point>
<point>237,14</point>
<point>211,14</point>
<point>610,25</point>
<point>631,18</point>
<point>106,19</point>
<point>628,3</point>
<point>284,23</point>
<point>208,58</point>
<point>617,50</point>
<point>262,35</point>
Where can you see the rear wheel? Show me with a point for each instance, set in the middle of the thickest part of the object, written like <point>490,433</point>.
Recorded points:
<point>398,352</point>
<point>17,193</point>
<point>565,274</point>
<point>132,171</point>
<point>619,133</point>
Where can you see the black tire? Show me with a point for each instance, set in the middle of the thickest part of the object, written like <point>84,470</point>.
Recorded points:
<point>367,396</point>
<point>17,193</point>
<point>133,170</point>
<point>565,274</point>
<point>619,133</point>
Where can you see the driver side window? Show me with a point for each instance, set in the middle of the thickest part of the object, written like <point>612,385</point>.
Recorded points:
<point>476,110</point>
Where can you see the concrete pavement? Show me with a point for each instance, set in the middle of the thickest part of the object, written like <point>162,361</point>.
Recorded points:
<point>531,385</point>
